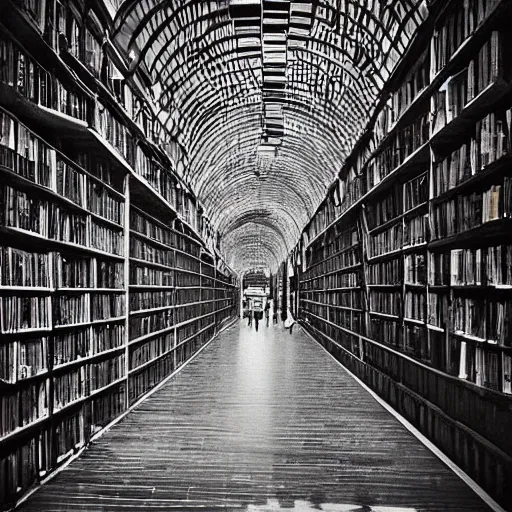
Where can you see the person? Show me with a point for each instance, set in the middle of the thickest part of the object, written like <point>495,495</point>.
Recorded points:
<point>276,312</point>
<point>257,318</point>
<point>249,314</point>
<point>267,312</point>
<point>288,323</point>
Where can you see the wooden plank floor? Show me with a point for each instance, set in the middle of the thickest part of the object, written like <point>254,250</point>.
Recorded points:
<point>260,421</point>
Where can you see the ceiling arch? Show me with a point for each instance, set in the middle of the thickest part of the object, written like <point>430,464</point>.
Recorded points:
<point>266,98</point>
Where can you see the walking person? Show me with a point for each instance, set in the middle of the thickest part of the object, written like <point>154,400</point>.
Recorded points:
<point>267,312</point>
<point>257,318</point>
<point>249,314</point>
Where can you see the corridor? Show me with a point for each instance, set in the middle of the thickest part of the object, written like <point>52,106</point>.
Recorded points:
<point>258,421</point>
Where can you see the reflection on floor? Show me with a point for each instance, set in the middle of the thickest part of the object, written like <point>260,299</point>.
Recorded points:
<point>259,421</point>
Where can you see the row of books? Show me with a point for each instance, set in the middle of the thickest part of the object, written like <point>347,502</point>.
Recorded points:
<point>387,241</point>
<point>145,251</point>
<point>385,210</point>
<point>82,308</point>
<point>469,211</point>
<point>23,211</point>
<point>78,344</point>
<point>489,67</point>
<point>186,262</point>
<point>23,359</point>
<point>484,320</point>
<point>387,302</point>
<point>148,300</point>
<point>190,279</point>
<point>187,296</point>
<point>459,25</point>
<point>388,272</point>
<point>147,323</point>
<point>490,143</point>
<point>142,275</point>
<point>482,366</point>
<point>342,260</point>
<point>22,268</point>
<point>23,406</point>
<point>403,144</point>
<point>141,354</point>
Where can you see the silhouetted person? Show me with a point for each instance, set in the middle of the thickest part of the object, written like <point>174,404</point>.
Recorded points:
<point>249,314</point>
<point>267,312</point>
<point>257,318</point>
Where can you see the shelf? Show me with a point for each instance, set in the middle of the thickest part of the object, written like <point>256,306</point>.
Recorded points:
<point>478,107</point>
<point>415,321</point>
<point>496,230</point>
<point>153,240</point>
<point>151,310</point>
<point>338,271</point>
<point>384,315</point>
<point>151,287</point>
<point>152,264</point>
<point>89,290</point>
<point>87,359</point>
<point>26,289</point>
<point>494,169</point>
<point>385,285</point>
<point>89,323</point>
<point>386,255</point>
<point>44,244</point>
<point>385,225</point>
<point>23,430</point>
<point>90,395</point>
<point>414,210</point>
<point>419,157</point>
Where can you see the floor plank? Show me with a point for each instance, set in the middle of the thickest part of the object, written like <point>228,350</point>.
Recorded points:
<point>260,421</point>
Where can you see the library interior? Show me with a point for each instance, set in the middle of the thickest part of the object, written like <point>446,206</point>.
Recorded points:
<point>256,255</point>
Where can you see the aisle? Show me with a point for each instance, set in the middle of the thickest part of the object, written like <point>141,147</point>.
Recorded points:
<point>259,421</point>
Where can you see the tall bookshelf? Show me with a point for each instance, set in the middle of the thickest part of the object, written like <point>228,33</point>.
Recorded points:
<point>407,269</point>
<point>109,275</point>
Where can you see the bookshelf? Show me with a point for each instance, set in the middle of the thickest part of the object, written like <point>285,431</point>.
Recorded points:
<point>406,277</point>
<point>109,279</point>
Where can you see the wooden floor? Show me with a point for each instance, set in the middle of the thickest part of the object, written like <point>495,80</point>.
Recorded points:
<point>260,421</point>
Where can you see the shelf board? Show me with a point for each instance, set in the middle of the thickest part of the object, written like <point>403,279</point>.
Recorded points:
<point>497,230</point>
<point>151,310</point>
<point>384,315</point>
<point>385,225</point>
<point>87,359</point>
<point>386,255</point>
<point>152,264</point>
<point>151,287</point>
<point>20,431</point>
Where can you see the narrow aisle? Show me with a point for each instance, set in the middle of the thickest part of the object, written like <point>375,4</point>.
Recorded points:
<point>259,421</point>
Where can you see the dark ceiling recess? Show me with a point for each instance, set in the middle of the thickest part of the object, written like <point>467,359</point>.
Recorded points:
<point>266,99</point>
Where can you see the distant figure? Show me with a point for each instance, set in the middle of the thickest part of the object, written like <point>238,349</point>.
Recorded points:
<point>258,315</point>
<point>249,314</point>
<point>274,316</point>
<point>267,312</point>
<point>289,321</point>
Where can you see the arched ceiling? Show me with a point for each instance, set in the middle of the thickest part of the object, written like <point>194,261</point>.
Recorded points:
<point>266,98</point>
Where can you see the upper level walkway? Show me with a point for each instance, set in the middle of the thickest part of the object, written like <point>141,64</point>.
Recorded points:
<point>259,421</point>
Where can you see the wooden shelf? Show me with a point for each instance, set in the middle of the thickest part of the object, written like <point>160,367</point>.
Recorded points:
<point>496,230</point>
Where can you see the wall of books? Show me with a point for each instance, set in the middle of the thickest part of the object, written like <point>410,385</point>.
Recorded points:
<point>407,269</point>
<point>109,279</point>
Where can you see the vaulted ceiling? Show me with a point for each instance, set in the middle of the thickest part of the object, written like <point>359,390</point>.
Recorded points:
<point>266,99</point>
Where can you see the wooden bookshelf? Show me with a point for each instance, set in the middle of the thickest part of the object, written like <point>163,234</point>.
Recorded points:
<point>430,205</point>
